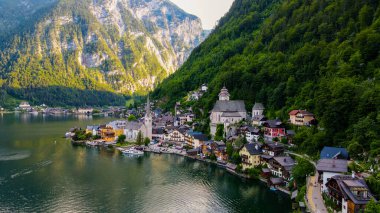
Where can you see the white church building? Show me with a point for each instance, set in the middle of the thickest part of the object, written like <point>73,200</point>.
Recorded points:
<point>226,111</point>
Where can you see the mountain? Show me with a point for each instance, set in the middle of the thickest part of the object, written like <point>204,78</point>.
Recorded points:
<point>116,46</point>
<point>319,55</point>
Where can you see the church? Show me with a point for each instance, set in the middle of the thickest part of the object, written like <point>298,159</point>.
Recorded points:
<point>226,111</point>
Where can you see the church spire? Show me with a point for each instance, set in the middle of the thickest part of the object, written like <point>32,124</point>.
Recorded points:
<point>147,109</point>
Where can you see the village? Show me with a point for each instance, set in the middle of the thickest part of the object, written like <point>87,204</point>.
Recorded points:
<point>246,144</point>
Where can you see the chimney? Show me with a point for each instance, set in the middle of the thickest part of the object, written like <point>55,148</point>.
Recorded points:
<point>353,174</point>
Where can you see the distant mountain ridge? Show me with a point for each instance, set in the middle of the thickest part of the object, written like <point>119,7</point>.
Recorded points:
<point>120,46</point>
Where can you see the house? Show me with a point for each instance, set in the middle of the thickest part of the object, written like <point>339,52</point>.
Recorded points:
<point>195,139</point>
<point>334,153</point>
<point>94,130</point>
<point>273,148</point>
<point>194,96</point>
<point>174,135</point>
<point>328,168</point>
<point>252,134</point>
<point>274,129</point>
<point>158,133</point>
<point>185,118</point>
<point>301,117</point>
<point>290,135</point>
<point>194,152</point>
<point>226,112</point>
<point>349,192</point>
<point>24,106</point>
<point>250,155</point>
<point>107,134</point>
<point>85,110</point>
<point>204,88</point>
<point>282,167</point>
<point>219,149</point>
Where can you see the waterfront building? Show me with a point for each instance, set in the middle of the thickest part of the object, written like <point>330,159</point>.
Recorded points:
<point>195,139</point>
<point>250,155</point>
<point>85,110</point>
<point>282,167</point>
<point>24,106</point>
<point>226,111</point>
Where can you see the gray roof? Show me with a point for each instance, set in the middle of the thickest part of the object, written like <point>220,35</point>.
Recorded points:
<point>276,180</point>
<point>133,125</point>
<point>332,165</point>
<point>286,162</point>
<point>258,106</point>
<point>229,106</point>
<point>259,118</point>
<point>274,123</point>
<point>346,182</point>
<point>253,148</point>
<point>231,114</point>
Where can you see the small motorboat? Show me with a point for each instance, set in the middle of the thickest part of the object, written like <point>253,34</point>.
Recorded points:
<point>132,151</point>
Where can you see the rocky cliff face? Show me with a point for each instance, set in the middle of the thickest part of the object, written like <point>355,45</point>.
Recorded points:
<point>122,46</point>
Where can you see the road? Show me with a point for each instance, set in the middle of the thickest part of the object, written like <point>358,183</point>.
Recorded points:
<point>313,193</point>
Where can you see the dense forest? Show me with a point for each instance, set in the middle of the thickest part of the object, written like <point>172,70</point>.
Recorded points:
<point>318,55</point>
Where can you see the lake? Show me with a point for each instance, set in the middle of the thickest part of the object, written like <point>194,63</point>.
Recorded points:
<point>40,171</point>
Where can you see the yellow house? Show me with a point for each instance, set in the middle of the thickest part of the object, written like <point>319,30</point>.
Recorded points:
<point>301,117</point>
<point>250,155</point>
<point>108,134</point>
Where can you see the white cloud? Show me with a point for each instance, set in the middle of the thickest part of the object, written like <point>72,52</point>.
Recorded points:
<point>209,11</point>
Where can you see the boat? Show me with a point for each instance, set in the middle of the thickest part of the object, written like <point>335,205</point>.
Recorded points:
<point>132,151</point>
<point>272,188</point>
<point>91,143</point>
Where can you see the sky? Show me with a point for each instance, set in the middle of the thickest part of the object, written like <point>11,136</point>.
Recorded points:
<point>209,11</point>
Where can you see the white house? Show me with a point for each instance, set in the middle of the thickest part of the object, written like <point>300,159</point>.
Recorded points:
<point>24,106</point>
<point>328,168</point>
<point>204,88</point>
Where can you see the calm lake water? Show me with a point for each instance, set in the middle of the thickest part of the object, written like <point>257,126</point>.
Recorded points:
<point>41,172</point>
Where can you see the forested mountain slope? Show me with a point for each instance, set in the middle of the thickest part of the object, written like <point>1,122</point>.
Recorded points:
<point>319,55</point>
<point>70,46</point>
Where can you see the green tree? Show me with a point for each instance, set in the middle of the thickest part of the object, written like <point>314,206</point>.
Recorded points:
<point>146,141</point>
<point>121,139</point>
<point>219,135</point>
<point>229,149</point>
<point>140,139</point>
<point>372,207</point>
<point>235,158</point>
<point>213,157</point>
<point>132,117</point>
<point>301,170</point>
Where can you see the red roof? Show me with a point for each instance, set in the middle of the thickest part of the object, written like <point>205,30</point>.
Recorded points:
<point>295,112</point>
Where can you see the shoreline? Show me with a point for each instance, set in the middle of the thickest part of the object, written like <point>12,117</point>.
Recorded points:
<point>182,154</point>
<point>243,176</point>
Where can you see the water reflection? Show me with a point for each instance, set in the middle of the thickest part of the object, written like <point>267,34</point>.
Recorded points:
<point>58,177</point>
